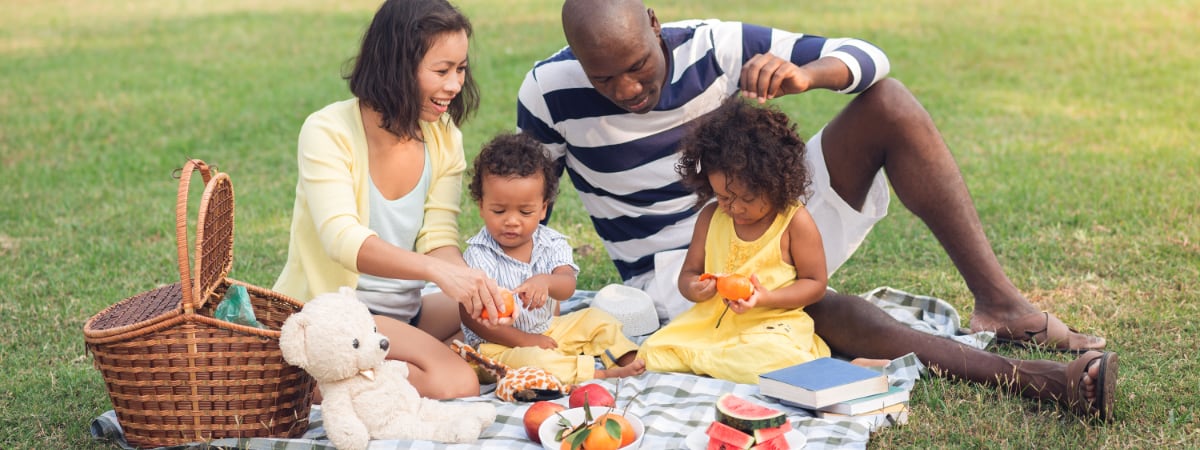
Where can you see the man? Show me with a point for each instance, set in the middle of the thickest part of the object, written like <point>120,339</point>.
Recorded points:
<point>613,105</point>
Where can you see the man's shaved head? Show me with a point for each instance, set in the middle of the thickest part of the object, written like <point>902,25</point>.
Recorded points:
<point>588,22</point>
<point>618,44</point>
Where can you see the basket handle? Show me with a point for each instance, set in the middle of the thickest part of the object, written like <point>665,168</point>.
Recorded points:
<point>181,219</point>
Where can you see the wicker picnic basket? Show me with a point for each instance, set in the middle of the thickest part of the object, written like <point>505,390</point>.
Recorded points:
<point>174,373</point>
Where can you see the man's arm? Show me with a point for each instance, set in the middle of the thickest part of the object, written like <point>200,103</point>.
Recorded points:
<point>777,62</point>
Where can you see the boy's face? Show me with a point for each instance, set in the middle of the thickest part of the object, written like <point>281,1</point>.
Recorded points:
<point>744,206</point>
<point>511,209</point>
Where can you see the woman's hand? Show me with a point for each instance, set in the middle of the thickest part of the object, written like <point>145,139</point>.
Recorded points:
<point>472,288</point>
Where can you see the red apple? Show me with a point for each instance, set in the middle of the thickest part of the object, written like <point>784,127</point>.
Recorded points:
<point>538,413</point>
<point>595,394</point>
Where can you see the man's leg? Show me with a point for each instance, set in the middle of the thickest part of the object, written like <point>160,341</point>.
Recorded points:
<point>855,327</point>
<point>886,127</point>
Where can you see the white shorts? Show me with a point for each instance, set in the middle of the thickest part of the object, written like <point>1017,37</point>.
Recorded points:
<point>842,228</point>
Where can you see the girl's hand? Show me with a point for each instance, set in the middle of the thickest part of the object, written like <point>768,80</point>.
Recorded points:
<point>741,306</point>
<point>705,285</point>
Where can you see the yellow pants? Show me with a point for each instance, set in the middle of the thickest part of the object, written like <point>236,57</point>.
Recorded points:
<point>581,336</point>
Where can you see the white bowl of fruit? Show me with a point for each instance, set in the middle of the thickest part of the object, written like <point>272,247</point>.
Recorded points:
<point>590,421</point>
<point>591,428</point>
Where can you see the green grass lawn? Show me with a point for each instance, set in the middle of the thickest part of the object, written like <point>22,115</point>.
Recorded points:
<point>1074,122</point>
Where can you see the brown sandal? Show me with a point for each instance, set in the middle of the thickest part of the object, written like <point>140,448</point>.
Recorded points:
<point>1045,331</point>
<point>1105,385</point>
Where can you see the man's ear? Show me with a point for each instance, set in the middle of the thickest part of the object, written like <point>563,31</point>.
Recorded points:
<point>293,339</point>
<point>654,23</point>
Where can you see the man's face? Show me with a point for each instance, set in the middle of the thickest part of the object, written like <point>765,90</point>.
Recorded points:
<point>629,69</point>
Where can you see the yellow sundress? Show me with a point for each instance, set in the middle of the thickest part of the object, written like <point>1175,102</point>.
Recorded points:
<point>748,344</point>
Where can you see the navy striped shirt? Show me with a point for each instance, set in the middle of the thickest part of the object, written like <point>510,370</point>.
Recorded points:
<point>623,164</point>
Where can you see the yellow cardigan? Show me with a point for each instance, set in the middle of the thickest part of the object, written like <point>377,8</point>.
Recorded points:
<point>327,229</point>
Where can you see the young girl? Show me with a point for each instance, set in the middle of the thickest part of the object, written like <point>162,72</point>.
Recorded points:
<point>377,199</point>
<point>513,184</point>
<point>751,160</point>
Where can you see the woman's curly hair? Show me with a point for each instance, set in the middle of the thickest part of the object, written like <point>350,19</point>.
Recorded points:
<point>755,145</point>
<point>514,155</point>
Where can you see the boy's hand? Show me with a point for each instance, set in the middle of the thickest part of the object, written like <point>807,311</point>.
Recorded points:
<point>543,341</point>
<point>533,292</point>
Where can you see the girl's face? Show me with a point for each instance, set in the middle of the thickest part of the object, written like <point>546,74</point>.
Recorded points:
<point>442,73</point>
<point>744,206</point>
<point>511,208</point>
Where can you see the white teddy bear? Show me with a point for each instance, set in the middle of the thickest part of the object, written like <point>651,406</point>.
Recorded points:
<point>366,397</point>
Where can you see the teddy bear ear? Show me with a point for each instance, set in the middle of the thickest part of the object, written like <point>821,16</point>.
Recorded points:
<point>293,339</point>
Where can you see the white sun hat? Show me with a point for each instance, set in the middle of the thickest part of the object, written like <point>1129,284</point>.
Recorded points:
<point>630,305</point>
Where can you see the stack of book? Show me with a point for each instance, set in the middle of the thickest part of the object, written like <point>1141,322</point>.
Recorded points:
<point>835,388</point>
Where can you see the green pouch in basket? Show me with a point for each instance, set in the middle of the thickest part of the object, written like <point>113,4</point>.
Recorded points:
<point>236,308</point>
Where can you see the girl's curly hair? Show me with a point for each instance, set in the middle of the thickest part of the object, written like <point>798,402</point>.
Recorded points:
<point>514,155</point>
<point>755,145</point>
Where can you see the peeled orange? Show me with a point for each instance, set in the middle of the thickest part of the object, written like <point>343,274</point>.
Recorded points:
<point>732,286</point>
<point>509,305</point>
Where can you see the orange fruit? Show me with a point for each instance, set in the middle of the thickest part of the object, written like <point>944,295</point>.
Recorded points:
<point>600,439</point>
<point>627,431</point>
<point>509,305</point>
<point>732,286</point>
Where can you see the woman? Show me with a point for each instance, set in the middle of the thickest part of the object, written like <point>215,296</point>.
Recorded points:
<point>378,192</point>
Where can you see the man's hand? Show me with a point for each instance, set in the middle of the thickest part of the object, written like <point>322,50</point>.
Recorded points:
<point>766,76</point>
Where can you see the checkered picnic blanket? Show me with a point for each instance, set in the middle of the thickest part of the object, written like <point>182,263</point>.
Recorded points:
<point>671,405</point>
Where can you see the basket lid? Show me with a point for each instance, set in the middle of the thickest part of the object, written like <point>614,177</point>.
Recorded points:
<point>214,238</point>
<point>214,234</point>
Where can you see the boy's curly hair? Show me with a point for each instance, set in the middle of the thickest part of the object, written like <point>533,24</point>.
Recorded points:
<point>755,145</point>
<point>514,155</point>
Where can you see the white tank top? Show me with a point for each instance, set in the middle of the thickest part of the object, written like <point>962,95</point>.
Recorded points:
<point>397,222</point>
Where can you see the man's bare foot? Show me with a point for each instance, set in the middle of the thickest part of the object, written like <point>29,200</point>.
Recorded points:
<point>636,367</point>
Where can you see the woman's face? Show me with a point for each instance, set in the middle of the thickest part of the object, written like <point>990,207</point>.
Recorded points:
<point>441,73</point>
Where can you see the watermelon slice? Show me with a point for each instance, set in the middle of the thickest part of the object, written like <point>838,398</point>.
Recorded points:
<point>746,416</point>
<point>766,434</point>
<point>721,436</point>
<point>776,443</point>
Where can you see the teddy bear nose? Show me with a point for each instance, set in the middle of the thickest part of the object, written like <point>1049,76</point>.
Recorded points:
<point>383,344</point>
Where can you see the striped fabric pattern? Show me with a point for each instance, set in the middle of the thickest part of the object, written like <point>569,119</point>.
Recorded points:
<point>623,164</point>
<point>551,249</point>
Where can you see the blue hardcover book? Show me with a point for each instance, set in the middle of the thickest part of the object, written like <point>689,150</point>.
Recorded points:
<point>822,382</point>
